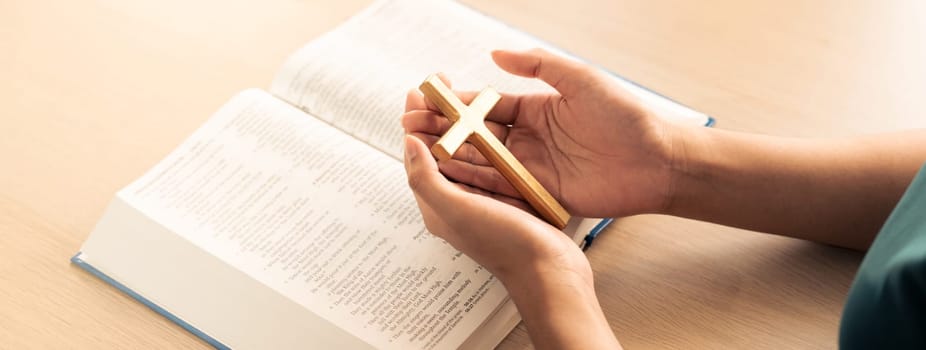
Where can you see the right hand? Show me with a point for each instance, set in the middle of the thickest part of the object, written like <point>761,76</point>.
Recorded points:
<point>592,144</point>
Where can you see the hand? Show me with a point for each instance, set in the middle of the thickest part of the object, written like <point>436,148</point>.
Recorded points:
<point>546,274</point>
<point>512,244</point>
<point>591,144</point>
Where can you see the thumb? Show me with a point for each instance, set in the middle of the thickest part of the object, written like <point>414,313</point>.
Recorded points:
<point>425,179</point>
<point>567,76</point>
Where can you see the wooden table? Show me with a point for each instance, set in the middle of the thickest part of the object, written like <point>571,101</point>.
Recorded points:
<point>93,94</point>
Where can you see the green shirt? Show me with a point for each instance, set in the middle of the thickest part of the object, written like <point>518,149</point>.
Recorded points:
<point>886,308</point>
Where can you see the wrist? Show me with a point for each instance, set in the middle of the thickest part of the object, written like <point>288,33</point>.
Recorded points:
<point>561,310</point>
<point>538,282</point>
<point>675,162</point>
<point>689,168</point>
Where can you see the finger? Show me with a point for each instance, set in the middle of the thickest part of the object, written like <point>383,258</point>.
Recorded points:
<point>466,153</point>
<point>427,182</point>
<point>430,122</point>
<point>443,77</point>
<point>481,176</point>
<point>567,76</point>
<point>515,202</point>
<point>414,100</point>
<point>425,121</point>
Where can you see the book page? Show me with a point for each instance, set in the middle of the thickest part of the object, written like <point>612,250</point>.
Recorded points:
<point>356,76</point>
<point>321,218</point>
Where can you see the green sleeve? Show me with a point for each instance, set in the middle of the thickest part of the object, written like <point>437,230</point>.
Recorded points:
<point>886,307</point>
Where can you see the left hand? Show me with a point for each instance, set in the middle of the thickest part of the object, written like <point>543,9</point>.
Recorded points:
<point>495,231</point>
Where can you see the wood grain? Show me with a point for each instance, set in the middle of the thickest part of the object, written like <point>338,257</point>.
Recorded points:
<point>95,93</point>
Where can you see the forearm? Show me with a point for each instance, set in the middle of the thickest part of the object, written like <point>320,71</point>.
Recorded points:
<point>835,191</point>
<point>561,311</point>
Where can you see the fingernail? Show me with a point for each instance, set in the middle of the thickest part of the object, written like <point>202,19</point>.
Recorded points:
<point>410,151</point>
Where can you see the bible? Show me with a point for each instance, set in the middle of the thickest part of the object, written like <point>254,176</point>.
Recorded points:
<point>285,221</point>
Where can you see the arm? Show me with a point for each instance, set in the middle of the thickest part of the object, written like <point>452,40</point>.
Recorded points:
<point>834,191</point>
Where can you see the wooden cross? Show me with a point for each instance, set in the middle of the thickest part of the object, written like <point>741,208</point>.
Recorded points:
<point>469,124</point>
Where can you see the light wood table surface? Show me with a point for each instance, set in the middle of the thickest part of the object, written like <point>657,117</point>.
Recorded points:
<point>93,93</point>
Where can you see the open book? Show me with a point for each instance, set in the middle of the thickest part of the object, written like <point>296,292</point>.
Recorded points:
<point>285,220</point>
